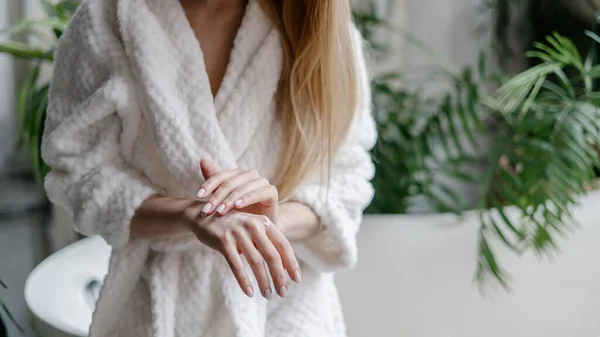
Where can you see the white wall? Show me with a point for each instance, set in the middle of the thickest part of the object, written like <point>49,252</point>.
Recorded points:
<point>415,279</point>
<point>456,29</point>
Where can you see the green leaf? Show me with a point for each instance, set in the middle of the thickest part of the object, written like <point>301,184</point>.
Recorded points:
<point>54,11</point>
<point>488,264</point>
<point>23,51</point>
<point>532,95</point>
<point>481,65</point>
<point>10,316</point>
<point>68,6</point>
<point>30,25</point>
<point>35,143</point>
<point>593,36</point>
<point>24,98</point>
<point>501,235</point>
<point>449,117</point>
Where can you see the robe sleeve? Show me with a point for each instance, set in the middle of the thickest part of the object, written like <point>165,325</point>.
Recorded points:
<point>341,204</point>
<point>81,142</point>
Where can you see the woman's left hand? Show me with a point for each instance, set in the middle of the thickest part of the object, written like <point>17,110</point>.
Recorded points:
<point>237,189</point>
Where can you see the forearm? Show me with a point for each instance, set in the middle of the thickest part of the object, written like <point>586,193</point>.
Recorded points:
<point>160,217</point>
<point>298,221</point>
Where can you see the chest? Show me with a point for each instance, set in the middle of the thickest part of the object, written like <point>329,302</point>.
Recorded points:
<point>208,91</point>
<point>216,30</point>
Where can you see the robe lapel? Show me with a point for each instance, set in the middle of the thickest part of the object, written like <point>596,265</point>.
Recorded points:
<point>249,85</point>
<point>173,87</point>
<point>186,123</point>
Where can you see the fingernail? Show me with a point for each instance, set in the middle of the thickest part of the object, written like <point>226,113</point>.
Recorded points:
<point>239,202</point>
<point>250,292</point>
<point>200,193</point>
<point>207,208</point>
<point>221,208</point>
<point>283,291</point>
<point>268,294</point>
<point>296,277</point>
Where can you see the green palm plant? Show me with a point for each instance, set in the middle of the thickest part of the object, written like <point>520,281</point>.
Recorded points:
<point>4,309</point>
<point>33,94</point>
<point>544,148</point>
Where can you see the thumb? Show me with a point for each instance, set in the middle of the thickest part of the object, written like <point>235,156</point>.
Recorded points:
<point>208,168</point>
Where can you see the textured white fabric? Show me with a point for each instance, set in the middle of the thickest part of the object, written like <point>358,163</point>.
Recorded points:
<point>131,114</point>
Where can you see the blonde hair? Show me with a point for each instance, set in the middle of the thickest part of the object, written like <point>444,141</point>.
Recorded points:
<point>318,91</point>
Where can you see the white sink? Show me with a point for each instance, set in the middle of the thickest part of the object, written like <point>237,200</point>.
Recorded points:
<point>55,291</point>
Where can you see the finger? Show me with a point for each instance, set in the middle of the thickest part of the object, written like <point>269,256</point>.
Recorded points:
<point>255,259</point>
<point>266,195</point>
<point>272,256</point>
<point>236,197</point>
<point>228,186</point>
<point>284,247</point>
<point>234,260</point>
<point>208,168</point>
<point>213,183</point>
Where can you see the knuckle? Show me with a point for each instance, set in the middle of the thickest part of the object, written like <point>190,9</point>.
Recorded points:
<point>213,201</point>
<point>279,277</point>
<point>272,257</point>
<point>235,264</point>
<point>226,238</point>
<point>284,245</point>
<point>250,195</point>
<point>248,225</point>
<point>230,198</point>
<point>227,201</point>
<point>255,260</point>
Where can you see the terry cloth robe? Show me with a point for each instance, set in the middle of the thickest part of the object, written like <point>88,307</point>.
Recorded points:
<point>131,114</point>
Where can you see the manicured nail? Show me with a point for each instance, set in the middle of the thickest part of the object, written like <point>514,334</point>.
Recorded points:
<point>268,294</point>
<point>283,291</point>
<point>221,208</point>
<point>200,193</point>
<point>250,292</point>
<point>296,277</point>
<point>207,208</point>
<point>239,202</point>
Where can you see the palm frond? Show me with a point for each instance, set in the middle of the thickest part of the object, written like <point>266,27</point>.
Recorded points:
<point>24,51</point>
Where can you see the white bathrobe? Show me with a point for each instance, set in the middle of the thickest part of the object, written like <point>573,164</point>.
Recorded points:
<point>131,114</point>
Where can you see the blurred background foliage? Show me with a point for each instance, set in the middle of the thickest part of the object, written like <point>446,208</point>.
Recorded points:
<point>542,123</point>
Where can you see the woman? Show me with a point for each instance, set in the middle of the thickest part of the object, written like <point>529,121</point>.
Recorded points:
<point>258,92</point>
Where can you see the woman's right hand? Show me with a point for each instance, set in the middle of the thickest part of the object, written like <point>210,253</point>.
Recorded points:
<point>256,238</point>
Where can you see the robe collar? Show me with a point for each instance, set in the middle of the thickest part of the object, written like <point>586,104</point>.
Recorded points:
<point>167,64</point>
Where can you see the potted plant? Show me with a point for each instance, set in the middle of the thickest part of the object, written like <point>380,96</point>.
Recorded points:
<point>544,127</point>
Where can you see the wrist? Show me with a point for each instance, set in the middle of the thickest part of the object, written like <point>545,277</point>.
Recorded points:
<point>190,214</point>
<point>283,219</point>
